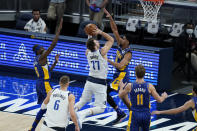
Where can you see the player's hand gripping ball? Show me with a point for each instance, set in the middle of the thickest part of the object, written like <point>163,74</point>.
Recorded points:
<point>90,28</point>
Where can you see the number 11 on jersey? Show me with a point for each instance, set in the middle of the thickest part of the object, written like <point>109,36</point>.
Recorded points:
<point>140,99</point>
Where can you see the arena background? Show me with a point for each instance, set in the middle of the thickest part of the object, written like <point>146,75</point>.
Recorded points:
<point>17,78</point>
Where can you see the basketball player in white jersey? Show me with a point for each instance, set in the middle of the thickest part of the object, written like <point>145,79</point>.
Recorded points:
<point>96,82</point>
<point>60,105</point>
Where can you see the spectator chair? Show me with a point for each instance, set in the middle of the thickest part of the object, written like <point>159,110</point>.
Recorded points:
<point>133,26</point>
<point>22,20</point>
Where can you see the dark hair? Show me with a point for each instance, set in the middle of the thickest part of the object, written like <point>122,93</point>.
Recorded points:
<point>34,48</point>
<point>140,71</point>
<point>188,25</point>
<point>64,79</point>
<point>129,38</point>
<point>35,10</point>
<point>90,44</point>
<point>194,87</point>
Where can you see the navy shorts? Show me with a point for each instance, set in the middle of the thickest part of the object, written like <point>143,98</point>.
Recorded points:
<point>139,119</point>
<point>42,88</point>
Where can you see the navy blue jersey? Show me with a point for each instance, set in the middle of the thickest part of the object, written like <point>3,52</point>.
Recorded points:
<point>119,56</point>
<point>140,97</point>
<point>195,109</point>
<point>43,85</point>
<point>42,72</point>
<point>120,74</point>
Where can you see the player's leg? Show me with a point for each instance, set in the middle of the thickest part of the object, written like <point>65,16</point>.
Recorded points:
<point>100,98</point>
<point>47,87</point>
<point>146,120</point>
<point>86,96</point>
<point>110,100</point>
<point>99,92</point>
<point>41,94</point>
<point>114,87</point>
<point>133,124</point>
<point>45,128</point>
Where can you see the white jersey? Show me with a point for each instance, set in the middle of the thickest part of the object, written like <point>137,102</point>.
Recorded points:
<point>57,114</point>
<point>98,65</point>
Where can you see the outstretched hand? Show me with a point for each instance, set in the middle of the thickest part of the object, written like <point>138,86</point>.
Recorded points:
<point>155,113</point>
<point>96,32</point>
<point>165,95</point>
<point>57,57</point>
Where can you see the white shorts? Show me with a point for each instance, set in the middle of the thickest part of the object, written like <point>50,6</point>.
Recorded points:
<point>45,128</point>
<point>98,90</point>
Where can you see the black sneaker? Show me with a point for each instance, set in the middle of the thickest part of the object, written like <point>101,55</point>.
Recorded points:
<point>120,118</point>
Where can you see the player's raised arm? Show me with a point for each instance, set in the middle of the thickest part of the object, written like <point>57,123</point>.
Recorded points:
<point>46,100</point>
<point>113,27</point>
<point>55,62</point>
<point>123,93</point>
<point>71,99</point>
<point>186,106</point>
<point>125,88</point>
<point>53,44</point>
<point>108,44</point>
<point>157,97</point>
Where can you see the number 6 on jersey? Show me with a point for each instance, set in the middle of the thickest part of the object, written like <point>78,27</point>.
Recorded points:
<point>56,105</point>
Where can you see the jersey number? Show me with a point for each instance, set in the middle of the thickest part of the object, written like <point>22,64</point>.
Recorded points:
<point>56,105</point>
<point>140,99</point>
<point>96,65</point>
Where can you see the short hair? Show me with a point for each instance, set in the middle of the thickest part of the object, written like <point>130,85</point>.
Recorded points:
<point>64,80</point>
<point>91,44</point>
<point>129,37</point>
<point>194,87</point>
<point>34,48</point>
<point>35,10</point>
<point>189,25</point>
<point>140,71</point>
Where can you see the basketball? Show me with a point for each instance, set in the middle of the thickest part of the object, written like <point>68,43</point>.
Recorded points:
<point>89,29</point>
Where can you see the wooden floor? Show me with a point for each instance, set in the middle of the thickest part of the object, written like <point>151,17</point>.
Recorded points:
<point>16,122</point>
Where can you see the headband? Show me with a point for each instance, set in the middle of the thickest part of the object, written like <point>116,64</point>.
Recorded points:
<point>37,48</point>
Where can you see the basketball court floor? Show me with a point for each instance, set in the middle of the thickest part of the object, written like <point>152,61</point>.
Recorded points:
<point>18,108</point>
